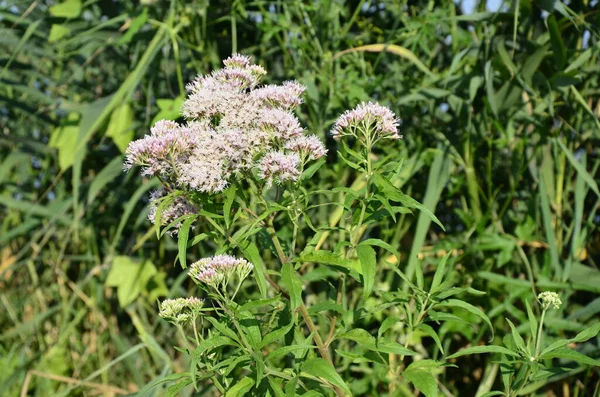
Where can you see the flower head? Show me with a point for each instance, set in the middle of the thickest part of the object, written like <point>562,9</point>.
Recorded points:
<point>216,271</point>
<point>286,96</point>
<point>279,167</point>
<point>550,299</point>
<point>308,146</point>
<point>166,145</point>
<point>279,123</point>
<point>371,120</point>
<point>180,310</point>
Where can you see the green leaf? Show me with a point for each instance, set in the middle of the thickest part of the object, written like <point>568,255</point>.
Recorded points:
<point>330,258</point>
<point>481,350</point>
<point>64,139</point>
<point>119,126</point>
<point>240,388</point>
<point>182,240</point>
<point>322,369</point>
<point>276,335</point>
<point>583,336</point>
<point>293,284</point>
<point>57,32</point>
<point>570,354</point>
<point>368,263</point>
<point>440,273</point>
<point>394,348</point>
<point>394,194</point>
<point>251,252</point>
<point>361,336</point>
<point>489,87</point>
<point>175,390</point>
<point>229,195</point>
<point>170,109</point>
<point>422,380</point>
<point>130,276</point>
<point>533,323</point>
<point>579,167</point>
<point>470,308</point>
<point>517,338</point>
<point>134,27</point>
<point>429,331</point>
<point>66,9</point>
<point>558,45</point>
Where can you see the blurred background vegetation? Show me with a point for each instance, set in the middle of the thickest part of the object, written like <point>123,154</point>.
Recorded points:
<point>500,105</point>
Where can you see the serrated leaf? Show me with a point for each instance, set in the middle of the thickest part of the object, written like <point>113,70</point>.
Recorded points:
<point>481,350</point>
<point>570,354</point>
<point>517,338</point>
<point>182,240</point>
<point>423,381</point>
<point>322,369</point>
<point>293,284</point>
<point>240,388</point>
<point>330,258</point>
<point>470,308</point>
<point>440,272</point>
<point>368,264</point>
<point>429,331</point>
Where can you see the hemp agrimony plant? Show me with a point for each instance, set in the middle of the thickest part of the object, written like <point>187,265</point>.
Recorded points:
<point>290,304</point>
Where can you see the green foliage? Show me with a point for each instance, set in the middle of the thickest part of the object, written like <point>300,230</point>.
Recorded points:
<point>500,121</point>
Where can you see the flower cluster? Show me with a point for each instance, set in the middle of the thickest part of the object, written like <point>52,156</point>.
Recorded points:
<point>180,310</point>
<point>159,153</point>
<point>550,299</point>
<point>234,127</point>
<point>368,121</point>
<point>218,270</point>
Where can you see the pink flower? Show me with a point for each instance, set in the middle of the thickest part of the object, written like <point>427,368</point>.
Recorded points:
<point>279,167</point>
<point>167,144</point>
<point>371,120</point>
<point>218,269</point>
<point>280,124</point>
<point>285,96</point>
<point>308,146</point>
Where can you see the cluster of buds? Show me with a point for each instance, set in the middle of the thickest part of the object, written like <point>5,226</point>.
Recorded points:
<point>217,271</point>
<point>181,310</point>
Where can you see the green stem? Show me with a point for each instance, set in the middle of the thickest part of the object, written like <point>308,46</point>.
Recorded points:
<point>538,342</point>
<point>323,351</point>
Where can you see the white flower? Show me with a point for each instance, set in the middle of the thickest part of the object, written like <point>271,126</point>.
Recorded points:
<point>550,299</point>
